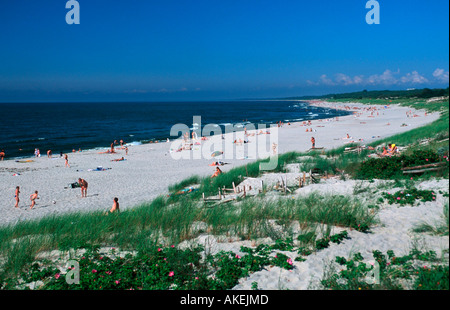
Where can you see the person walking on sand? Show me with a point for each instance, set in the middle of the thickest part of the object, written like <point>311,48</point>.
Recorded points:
<point>33,197</point>
<point>16,196</point>
<point>66,158</point>
<point>84,186</point>
<point>313,142</point>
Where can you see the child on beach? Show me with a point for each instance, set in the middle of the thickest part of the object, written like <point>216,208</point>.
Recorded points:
<point>33,197</point>
<point>313,141</point>
<point>84,186</point>
<point>16,196</point>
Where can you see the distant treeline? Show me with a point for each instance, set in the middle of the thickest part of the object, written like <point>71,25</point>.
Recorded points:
<point>380,94</point>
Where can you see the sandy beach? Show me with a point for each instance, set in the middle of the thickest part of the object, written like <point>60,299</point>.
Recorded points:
<point>149,169</point>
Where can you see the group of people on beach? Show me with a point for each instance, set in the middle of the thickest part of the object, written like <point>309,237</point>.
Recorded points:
<point>83,184</point>
<point>33,198</point>
<point>390,151</point>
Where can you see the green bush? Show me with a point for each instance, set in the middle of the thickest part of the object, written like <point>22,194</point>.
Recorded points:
<point>409,196</point>
<point>390,167</point>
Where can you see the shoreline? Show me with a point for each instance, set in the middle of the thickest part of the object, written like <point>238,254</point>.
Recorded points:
<point>26,151</point>
<point>150,168</point>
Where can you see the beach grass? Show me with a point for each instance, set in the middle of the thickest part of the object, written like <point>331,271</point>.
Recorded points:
<point>162,222</point>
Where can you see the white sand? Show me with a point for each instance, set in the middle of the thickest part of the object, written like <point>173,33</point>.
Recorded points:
<point>149,169</point>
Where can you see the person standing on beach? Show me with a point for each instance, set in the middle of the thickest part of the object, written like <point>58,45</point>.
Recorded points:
<point>49,153</point>
<point>2,155</point>
<point>313,142</point>
<point>16,196</point>
<point>33,197</point>
<point>66,158</point>
<point>84,186</point>
<point>115,206</point>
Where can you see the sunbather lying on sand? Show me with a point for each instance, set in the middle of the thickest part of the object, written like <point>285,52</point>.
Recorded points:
<point>118,159</point>
<point>218,163</point>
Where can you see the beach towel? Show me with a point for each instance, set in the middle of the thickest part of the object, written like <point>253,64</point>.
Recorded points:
<point>99,169</point>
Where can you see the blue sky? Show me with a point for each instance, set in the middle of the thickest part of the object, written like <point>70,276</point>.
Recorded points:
<point>208,49</point>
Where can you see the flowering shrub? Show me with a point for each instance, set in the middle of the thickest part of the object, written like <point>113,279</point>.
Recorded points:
<point>390,167</point>
<point>409,196</point>
<point>392,271</point>
<point>158,268</point>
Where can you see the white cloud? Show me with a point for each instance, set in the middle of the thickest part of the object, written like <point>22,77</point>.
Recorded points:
<point>343,79</point>
<point>414,78</point>
<point>325,80</point>
<point>441,75</point>
<point>387,78</point>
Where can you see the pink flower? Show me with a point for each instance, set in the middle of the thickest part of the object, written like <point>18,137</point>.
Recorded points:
<point>398,198</point>
<point>171,274</point>
<point>159,249</point>
<point>434,197</point>
<point>426,159</point>
<point>237,256</point>
<point>94,271</point>
<point>172,246</point>
<point>108,272</point>
<point>289,261</point>
<point>196,278</point>
<point>117,281</point>
<point>57,276</point>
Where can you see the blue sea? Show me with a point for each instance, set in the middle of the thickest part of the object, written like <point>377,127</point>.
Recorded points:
<point>63,127</point>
